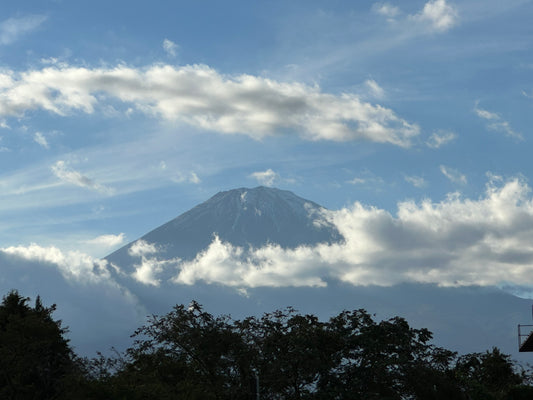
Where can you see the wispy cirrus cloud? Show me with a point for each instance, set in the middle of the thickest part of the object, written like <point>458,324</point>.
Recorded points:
<point>190,177</point>
<point>202,97</point>
<point>439,139</point>
<point>453,175</point>
<point>374,90</point>
<point>496,123</point>
<point>13,28</point>
<point>40,139</point>
<point>416,181</point>
<point>68,175</point>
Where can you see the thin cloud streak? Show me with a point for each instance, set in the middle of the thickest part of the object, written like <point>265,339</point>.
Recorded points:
<point>68,175</point>
<point>13,28</point>
<point>453,175</point>
<point>496,123</point>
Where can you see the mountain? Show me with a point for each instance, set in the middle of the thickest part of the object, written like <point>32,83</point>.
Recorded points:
<point>466,319</point>
<point>244,217</point>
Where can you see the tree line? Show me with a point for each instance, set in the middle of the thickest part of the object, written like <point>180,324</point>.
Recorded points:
<point>191,354</point>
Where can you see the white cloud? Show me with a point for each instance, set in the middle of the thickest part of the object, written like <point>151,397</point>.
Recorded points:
<point>142,248</point>
<point>270,266</point>
<point>40,139</point>
<point>73,265</point>
<point>107,240</point>
<point>416,181</point>
<point>190,177</point>
<point>357,181</point>
<point>146,272</point>
<point>267,178</point>
<point>200,96</point>
<point>12,28</point>
<point>456,242</point>
<point>374,89</point>
<point>453,175</point>
<point>439,139</point>
<point>98,310</point>
<point>366,178</point>
<point>149,268</point>
<point>170,47</point>
<point>69,175</point>
<point>387,10</point>
<point>496,123</point>
<point>194,178</point>
<point>437,15</point>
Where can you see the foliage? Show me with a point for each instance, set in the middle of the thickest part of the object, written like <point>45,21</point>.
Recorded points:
<point>190,354</point>
<point>35,358</point>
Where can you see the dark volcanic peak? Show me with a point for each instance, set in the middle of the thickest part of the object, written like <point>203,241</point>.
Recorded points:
<point>243,217</point>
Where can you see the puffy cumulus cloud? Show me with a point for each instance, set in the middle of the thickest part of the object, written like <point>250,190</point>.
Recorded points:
<point>439,139</point>
<point>142,248</point>
<point>496,123</point>
<point>267,266</point>
<point>170,47</point>
<point>149,270</point>
<point>456,242</point>
<point>73,265</point>
<point>453,175</point>
<point>68,175</point>
<point>150,267</point>
<point>267,178</point>
<point>202,97</point>
<point>437,15</point>
<point>107,240</point>
<point>13,28</point>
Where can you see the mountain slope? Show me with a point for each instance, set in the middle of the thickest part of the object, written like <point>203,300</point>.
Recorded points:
<point>243,217</point>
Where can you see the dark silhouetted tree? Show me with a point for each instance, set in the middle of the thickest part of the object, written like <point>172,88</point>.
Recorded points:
<point>35,357</point>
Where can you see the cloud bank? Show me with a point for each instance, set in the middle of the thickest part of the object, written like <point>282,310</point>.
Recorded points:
<point>457,242</point>
<point>200,96</point>
<point>98,310</point>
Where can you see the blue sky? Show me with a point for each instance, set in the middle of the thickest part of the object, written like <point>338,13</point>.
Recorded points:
<point>117,117</point>
<point>409,120</point>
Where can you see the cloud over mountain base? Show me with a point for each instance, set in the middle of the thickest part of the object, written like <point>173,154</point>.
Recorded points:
<point>456,242</point>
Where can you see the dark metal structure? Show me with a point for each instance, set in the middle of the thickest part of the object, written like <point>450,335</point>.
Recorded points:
<point>525,338</point>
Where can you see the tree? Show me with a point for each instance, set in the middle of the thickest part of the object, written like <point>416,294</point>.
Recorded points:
<point>489,375</point>
<point>35,357</point>
<point>190,354</point>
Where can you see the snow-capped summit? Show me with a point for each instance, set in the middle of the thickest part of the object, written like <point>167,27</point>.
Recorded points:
<point>244,217</point>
